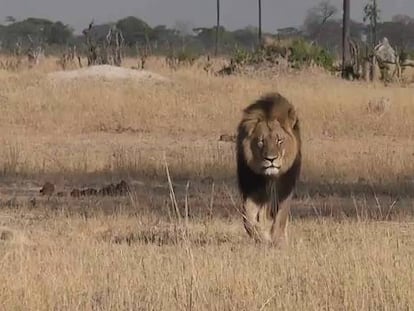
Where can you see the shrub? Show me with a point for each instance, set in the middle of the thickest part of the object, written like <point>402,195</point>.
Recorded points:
<point>302,53</point>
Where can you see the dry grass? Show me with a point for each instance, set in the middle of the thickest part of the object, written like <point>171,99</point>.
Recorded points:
<point>124,263</point>
<point>69,127</point>
<point>130,253</point>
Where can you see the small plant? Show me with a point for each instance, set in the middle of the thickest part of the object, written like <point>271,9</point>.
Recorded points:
<point>303,53</point>
<point>241,56</point>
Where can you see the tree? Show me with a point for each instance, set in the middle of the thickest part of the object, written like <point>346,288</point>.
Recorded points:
<point>10,19</point>
<point>207,36</point>
<point>260,20</point>
<point>346,57</point>
<point>288,32</point>
<point>217,27</point>
<point>371,14</point>
<point>184,29</point>
<point>38,30</point>
<point>59,34</point>
<point>245,37</point>
<point>134,30</point>
<point>165,36</point>
<point>402,19</point>
<point>317,17</point>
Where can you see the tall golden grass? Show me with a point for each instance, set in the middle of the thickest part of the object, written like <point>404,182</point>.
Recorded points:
<point>51,127</point>
<point>120,263</point>
<point>68,254</point>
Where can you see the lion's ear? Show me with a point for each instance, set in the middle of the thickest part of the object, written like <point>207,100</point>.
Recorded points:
<point>292,117</point>
<point>249,125</point>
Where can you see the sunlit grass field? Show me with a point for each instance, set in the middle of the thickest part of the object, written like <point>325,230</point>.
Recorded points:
<point>351,245</point>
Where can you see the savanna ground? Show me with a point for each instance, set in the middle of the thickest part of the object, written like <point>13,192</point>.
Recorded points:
<point>352,228</point>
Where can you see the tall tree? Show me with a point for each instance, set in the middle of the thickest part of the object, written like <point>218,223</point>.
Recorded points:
<point>346,57</point>
<point>371,14</point>
<point>317,17</point>
<point>217,27</point>
<point>134,30</point>
<point>260,20</point>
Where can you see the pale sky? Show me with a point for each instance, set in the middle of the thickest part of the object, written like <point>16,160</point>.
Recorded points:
<point>235,13</point>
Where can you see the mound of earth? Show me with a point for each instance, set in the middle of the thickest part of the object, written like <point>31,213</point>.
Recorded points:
<point>107,72</point>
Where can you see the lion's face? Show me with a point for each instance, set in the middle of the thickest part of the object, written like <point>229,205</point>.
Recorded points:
<point>269,149</point>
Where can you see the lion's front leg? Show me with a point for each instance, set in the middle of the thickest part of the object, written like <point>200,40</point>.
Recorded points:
<point>250,218</point>
<point>256,222</point>
<point>279,229</point>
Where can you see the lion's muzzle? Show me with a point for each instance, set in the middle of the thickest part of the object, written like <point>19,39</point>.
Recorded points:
<point>272,165</point>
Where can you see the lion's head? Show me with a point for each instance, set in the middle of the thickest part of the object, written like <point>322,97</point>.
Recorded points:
<point>268,136</point>
<point>268,152</point>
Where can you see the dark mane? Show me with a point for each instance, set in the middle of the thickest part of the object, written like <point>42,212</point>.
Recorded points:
<point>262,189</point>
<point>267,107</point>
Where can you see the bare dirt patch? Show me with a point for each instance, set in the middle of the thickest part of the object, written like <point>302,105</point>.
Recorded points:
<point>107,72</point>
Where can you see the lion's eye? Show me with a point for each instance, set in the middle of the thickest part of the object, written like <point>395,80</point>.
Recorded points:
<point>280,141</point>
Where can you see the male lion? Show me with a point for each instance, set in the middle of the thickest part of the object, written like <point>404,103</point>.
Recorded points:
<point>268,166</point>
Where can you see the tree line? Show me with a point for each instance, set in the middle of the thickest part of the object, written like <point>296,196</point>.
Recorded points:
<point>322,26</point>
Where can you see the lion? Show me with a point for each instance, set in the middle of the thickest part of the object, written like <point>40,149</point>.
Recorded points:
<point>268,166</point>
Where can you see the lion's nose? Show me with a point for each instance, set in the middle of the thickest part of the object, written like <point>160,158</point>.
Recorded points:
<point>271,158</point>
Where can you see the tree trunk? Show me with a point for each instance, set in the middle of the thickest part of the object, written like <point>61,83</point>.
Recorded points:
<point>374,30</point>
<point>260,21</point>
<point>346,59</point>
<point>366,70</point>
<point>217,28</point>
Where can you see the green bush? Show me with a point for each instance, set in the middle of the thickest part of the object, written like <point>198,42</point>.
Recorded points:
<point>241,56</point>
<point>302,54</point>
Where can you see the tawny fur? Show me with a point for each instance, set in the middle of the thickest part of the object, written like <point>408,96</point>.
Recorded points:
<point>266,199</point>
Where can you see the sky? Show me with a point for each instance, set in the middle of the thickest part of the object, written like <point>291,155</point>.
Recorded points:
<point>234,13</point>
